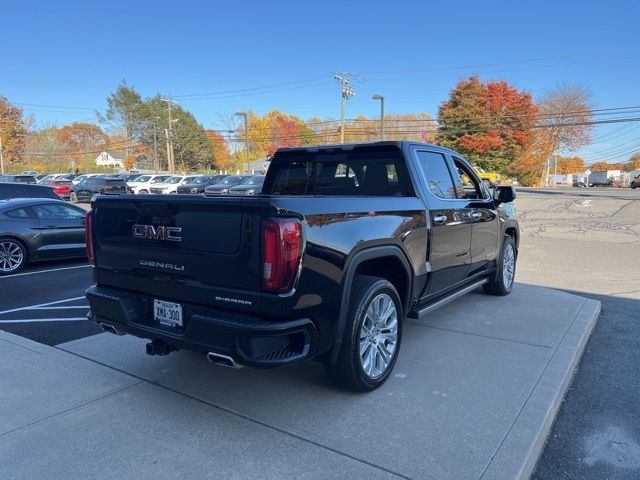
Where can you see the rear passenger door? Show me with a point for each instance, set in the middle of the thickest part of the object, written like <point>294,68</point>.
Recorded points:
<point>449,242</point>
<point>479,204</point>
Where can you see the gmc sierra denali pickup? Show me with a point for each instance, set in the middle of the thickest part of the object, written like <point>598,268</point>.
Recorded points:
<point>343,244</point>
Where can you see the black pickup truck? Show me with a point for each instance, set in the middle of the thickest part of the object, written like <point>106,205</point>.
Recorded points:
<point>343,244</point>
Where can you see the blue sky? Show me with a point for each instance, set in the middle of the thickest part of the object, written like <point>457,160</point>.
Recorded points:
<point>72,54</point>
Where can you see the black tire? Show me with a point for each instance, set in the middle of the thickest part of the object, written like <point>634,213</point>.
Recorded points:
<point>143,192</point>
<point>73,198</point>
<point>12,245</point>
<point>497,284</point>
<point>348,370</point>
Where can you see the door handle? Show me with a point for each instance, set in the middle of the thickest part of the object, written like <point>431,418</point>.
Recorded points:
<point>439,219</point>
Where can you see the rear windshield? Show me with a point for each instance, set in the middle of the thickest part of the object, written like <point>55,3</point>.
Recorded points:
<point>63,182</point>
<point>114,180</point>
<point>362,172</point>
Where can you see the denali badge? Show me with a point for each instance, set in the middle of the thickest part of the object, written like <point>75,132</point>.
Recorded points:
<point>166,266</point>
<point>160,232</point>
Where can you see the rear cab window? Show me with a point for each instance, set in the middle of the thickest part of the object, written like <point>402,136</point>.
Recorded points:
<point>376,171</point>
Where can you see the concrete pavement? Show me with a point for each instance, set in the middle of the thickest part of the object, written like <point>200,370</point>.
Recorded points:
<point>474,393</point>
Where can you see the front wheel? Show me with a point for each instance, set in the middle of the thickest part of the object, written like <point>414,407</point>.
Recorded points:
<point>502,281</point>
<point>13,256</point>
<point>371,340</point>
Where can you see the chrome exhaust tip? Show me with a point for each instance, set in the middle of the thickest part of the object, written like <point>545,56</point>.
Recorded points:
<point>111,329</point>
<point>223,360</point>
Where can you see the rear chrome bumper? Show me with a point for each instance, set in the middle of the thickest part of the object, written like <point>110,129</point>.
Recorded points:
<point>247,339</point>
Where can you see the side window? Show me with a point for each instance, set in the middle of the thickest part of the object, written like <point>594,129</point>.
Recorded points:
<point>18,213</point>
<point>466,185</point>
<point>57,211</point>
<point>436,174</point>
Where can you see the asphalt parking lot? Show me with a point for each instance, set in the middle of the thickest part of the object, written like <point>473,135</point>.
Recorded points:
<point>581,241</point>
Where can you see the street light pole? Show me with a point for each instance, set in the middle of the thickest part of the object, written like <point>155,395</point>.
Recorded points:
<point>246,134</point>
<point>381,98</point>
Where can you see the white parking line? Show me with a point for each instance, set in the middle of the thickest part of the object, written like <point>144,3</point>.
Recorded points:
<point>44,271</point>
<point>86,307</point>
<point>31,307</point>
<point>40,320</point>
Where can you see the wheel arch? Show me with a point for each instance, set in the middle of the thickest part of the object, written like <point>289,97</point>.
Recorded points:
<point>368,262</point>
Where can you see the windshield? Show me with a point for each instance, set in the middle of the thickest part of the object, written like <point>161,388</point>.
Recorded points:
<point>143,178</point>
<point>232,180</point>
<point>257,180</point>
<point>173,180</point>
<point>201,180</point>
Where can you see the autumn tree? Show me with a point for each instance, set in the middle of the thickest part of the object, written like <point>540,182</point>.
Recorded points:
<point>567,165</point>
<point>12,132</point>
<point>488,122</point>
<point>222,159</point>
<point>530,165</point>
<point>602,166</point>
<point>78,139</point>
<point>633,163</point>
<point>565,111</point>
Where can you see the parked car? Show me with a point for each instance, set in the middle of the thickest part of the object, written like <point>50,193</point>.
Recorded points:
<point>52,176</point>
<point>142,184</point>
<point>17,179</point>
<point>171,184</point>
<point>248,186</point>
<point>39,229</point>
<point>222,188</point>
<point>579,184</point>
<point>84,176</point>
<point>62,188</point>
<point>345,243</point>
<point>199,184</point>
<point>635,183</point>
<point>86,189</point>
<point>30,172</point>
<point>26,190</point>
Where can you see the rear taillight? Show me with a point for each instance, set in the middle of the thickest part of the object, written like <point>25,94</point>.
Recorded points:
<point>88,236</point>
<point>281,253</point>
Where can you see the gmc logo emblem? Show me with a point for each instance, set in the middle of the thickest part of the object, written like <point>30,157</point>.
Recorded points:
<point>160,232</point>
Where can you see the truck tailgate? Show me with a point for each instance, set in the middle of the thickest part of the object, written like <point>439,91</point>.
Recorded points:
<point>195,249</point>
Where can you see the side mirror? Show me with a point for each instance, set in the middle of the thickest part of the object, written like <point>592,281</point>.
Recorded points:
<point>504,194</point>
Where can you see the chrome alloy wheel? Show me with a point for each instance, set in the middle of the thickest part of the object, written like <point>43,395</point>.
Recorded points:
<point>378,336</point>
<point>11,256</point>
<point>508,266</point>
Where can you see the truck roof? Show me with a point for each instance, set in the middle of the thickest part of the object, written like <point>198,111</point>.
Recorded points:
<point>350,146</point>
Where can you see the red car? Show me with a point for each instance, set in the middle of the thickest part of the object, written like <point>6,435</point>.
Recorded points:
<point>62,188</point>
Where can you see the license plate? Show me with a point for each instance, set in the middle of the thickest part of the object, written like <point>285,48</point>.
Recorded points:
<point>167,313</point>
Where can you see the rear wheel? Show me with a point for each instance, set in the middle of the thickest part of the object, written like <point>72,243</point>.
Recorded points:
<point>502,282</point>
<point>13,256</point>
<point>143,192</point>
<point>372,336</point>
<point>73,198</point>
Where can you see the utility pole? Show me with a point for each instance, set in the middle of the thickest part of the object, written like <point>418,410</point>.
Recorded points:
<point>347,92</point>
<point>155,147</point>
<point>381,98</point>
<point>86,160</point>
<point>555,170</point>
<point>170,153</point>
<point>246,135</point>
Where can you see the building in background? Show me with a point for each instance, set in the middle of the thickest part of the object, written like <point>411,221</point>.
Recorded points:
<point>114,160</point>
